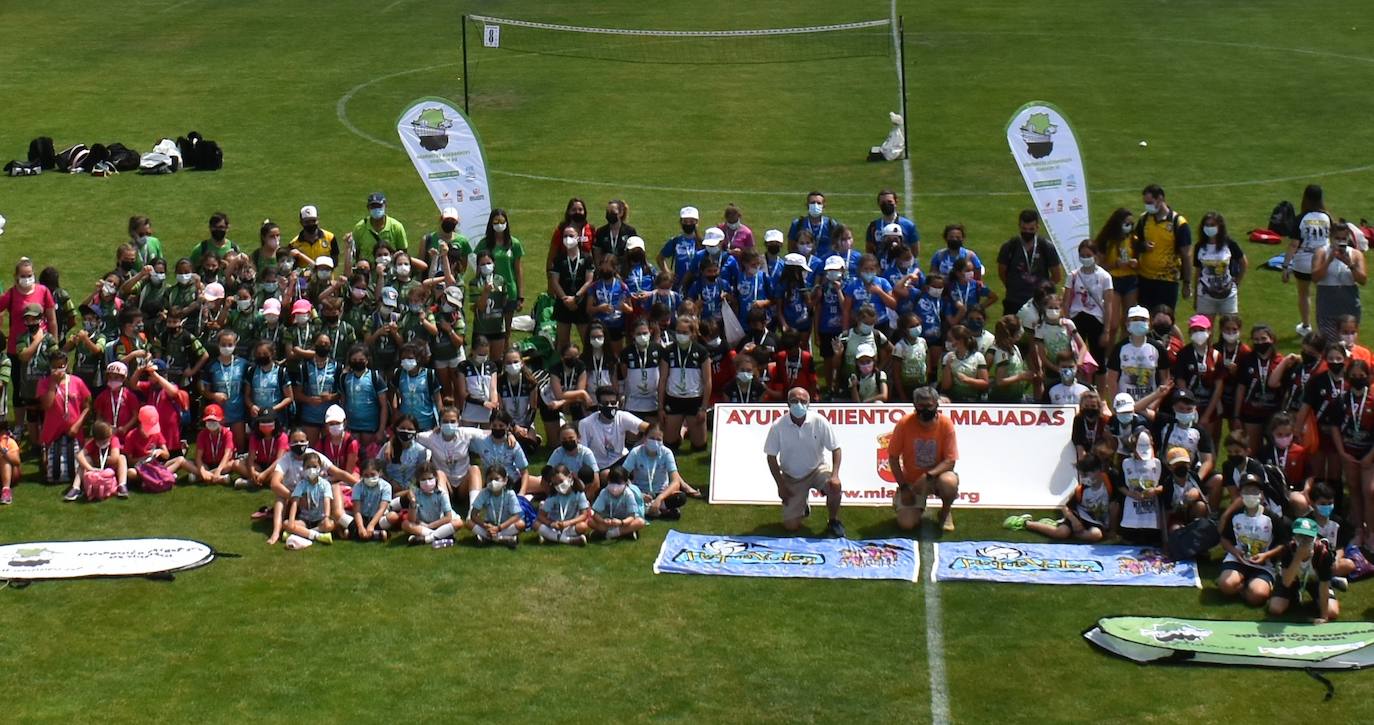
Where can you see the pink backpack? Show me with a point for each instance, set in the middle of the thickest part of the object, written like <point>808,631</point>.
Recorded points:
<point>155,476</point>
<point>98,485</point>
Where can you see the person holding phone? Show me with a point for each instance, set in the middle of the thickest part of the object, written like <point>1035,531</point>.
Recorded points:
<point>1339,271</point>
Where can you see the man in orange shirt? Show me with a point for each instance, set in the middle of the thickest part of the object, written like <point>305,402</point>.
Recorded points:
<point>922,451</point>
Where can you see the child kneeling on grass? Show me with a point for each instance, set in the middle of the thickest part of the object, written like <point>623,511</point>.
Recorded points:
<point>432,519</point>
<point>1252,537</point>
<point>372,516</point>
<point>619,508</point>
<point>563,515</point>
<point>214,459</point>
<point>496,514</point>
<point>101,468</point>
<point>308,520</point>
<point>1087,514</point>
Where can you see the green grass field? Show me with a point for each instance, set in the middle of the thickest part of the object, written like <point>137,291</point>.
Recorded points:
<point>1242,103</point>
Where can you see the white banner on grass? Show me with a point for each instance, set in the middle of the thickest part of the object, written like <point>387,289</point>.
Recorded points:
<point>1010,456</point>
<point>1046,152</point>
<point>448,154</point>
<point>113,557</point>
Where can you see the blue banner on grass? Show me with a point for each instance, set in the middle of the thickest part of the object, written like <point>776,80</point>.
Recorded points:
<point>1000,561</point>
<point>804,558</point>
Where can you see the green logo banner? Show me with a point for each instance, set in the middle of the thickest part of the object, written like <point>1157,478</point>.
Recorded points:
<point>1335,645</point>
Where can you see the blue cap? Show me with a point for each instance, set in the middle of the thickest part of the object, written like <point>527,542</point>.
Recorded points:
<point>376,198</point>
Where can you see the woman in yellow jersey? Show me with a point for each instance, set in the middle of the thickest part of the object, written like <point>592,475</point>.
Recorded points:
<point>1117,254</point>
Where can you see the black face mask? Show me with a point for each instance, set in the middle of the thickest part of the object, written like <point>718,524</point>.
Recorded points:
<point>357,365</point>
<point>774,248</point>
<point>405,436</point>
<point>608,411</point>
<point>1163,328</point>
<point>689,228</point>
<point>569,446</point>
<point>448,225</point>
<point>607,273</point>
<point>330,320</point>
<point>954,244</point>
<point>569,361</point>
<point>128,265</point>
<point>1309,357</point>
<point>1335,368</point>
<point>611,218</point>
<point>888,208</point>
<point>1263,348</point>
<point>311,228</point>
<point>579,219</point>
<point>299,448</point>
<point>927,414</point>
<point>1027,236</point>
<point>264,361</point>
<point>499,435</point>
<point>323,350</point>
<point>218,234</point>
<point>1181,472</point>
<point>1359,383</point>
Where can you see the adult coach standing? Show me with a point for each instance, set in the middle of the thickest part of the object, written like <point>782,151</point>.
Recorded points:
<point>1163,236</point>
<point>375,229</point>
<point>816,223</point>
<point>1025,262</point>
<point>796,446</point>
<point>922,451</point>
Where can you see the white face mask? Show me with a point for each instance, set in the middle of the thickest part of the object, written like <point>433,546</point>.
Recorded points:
<point>428,485</point>
<point>485,269</point>
<point>499,227</point>
<point>570,243</point>
<point>683,338</point>
<point>1230,337</point>
<point>301,319</point>
<point>1144,448</point>
<point>312,473</point>
<point>1210,231</point>
<point>402,269</point>
<point>563,487</point>
<point>26,282</point>
<point>497,485</point>
<point>226,350</point>
<point>245,305</point>
<point>597,342</point>
<point>157,277</point>
<point>1052,315</point>
<point>1251,500</point>
<point>336,429</point>
<point>616,489</point>
<point>372,481</point>
<point>815,208</point>
<point>513,369</point>
<point>408,364</point>
<point>184,279</point>
<point>1200,337</point>
<point>642,339</point>
<point>1087,262</point>
<point>1151,208</point>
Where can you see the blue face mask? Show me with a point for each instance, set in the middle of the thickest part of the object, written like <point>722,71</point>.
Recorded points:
<point>1325,509</point>
<point>448,429</point>
<point>377,212</point>
<point>798,410</point>
<point>867,277</point>
<point>1138,327</point>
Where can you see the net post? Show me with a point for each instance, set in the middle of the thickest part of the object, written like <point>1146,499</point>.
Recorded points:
<point>465,65</point>
<point>901,60</point>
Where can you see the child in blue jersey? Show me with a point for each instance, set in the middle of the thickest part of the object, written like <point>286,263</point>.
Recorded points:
<point>417,393</point>
<point>432,519</point>
<point>664,294</point>
<point>772,257</point>
<point>844,249</point>
<point>222,382</point>
<point>903,272</point>
<point>965,292</point>
<point>268,387</point>
<point>619,508</point>
<point>316,386</point>
<point>682,249</point>
<point>608,302</point>
<point>712,249</point>
<point>943,260</point>
<point>653,470</point>
<point>311,500</point>
<point>640,276</point>
<point>708,290</point>
<point>496,514</point>
<point>563,515</point>
<point>372,517</point>
<point>870,289</point>
<point>931,307</point>
<point>828,301</point>
<point>753,289</point>
<point>794,295</point>
<point>363,396</point>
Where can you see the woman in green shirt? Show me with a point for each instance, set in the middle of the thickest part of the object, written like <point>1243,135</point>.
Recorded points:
<point>506,252</point>
<point>146,246</point>
<point>1011,375</point>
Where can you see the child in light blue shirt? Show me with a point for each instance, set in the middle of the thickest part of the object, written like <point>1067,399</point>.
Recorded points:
<point>372,514</point>
<point>310,502</point>
<point>619,508</point>
<point>495,514</point>
<point>563,515</point>
<point>433,520</point>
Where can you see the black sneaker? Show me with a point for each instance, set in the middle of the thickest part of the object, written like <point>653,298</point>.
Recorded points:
<point>835,529</point>
<point>670,514</point>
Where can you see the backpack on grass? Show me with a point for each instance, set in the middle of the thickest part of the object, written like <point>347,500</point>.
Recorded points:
<point>41,153</point>
<point>1283,220</point>
<point>98,485</point>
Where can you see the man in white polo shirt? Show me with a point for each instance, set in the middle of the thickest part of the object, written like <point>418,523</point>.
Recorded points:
<point>796,447</point>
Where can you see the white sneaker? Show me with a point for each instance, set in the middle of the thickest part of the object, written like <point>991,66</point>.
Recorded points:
<point>240,484</point>
<point>1303,328</point>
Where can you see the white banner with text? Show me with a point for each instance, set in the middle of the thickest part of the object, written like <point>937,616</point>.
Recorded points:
<point>1010,456</point>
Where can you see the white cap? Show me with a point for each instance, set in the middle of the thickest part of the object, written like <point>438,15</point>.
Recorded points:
<point>310,212</point>
<point>1137,311</point>
<point>324,261</point>
<point>213,291</point>
<point>892,230</point>
<point>335,414</point>
<point>117,368</point>
<point>772,235</point>
<point>865,350</point>
<point>834,263</point>
<point>449,212</point>
<point>712,237</point>
<point>688,212</point>
<point>454,294</point>
<point>1123,403</point>
<point>794,260</point>
<point>634,243</point>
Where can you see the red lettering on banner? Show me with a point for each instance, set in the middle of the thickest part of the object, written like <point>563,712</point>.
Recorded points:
<point>1058,417</point>
<point>960,417</point>
<point>733,419</point>
<point>868,416</point>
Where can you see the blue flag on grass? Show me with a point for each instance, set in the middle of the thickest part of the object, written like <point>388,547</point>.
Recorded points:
<point>1001,561</point>
<point>803,558</point>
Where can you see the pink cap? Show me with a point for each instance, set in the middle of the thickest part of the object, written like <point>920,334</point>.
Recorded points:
<point>147,420</point>
<point>301,307</point>
<point>271,306</point>
<point>1200,322</point>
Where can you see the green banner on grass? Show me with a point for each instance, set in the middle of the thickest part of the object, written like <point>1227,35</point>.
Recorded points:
<point>1335,645</point>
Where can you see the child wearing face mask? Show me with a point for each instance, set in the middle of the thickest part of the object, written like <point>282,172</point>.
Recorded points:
<point>99,463</point>
<point>1257,390</point>
<point>868,384</point>
<point>450,446</point>
<point>490,297</point>
<point>1090,423</point>
<point>309,518</point>
<point>563,515</point>
<point>1055,334</point>
<point>619,508</point>
<point>1142,511</point>
<point>965,292</point>
<point>1066,390</point>
<point>432,519</point>
<point>214,460</point>
<point>301,463</point>
<point>497,515</point>
<point>1353,438</point>
<point>117,404</point>
<point>477,384</point>
<point>1239,464</point>
<point>1282,450</point>
<point>1330,524</point>
<point>863,333</point>
<point>746,387</point>
<point>1087,515</point>
<point>372,519</point>
<point>867,288</point>
<point>1252,537</point>
<point>267,388</point>
<point>652,467</point>
<point>638,372</point>
<point>267,442</point>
